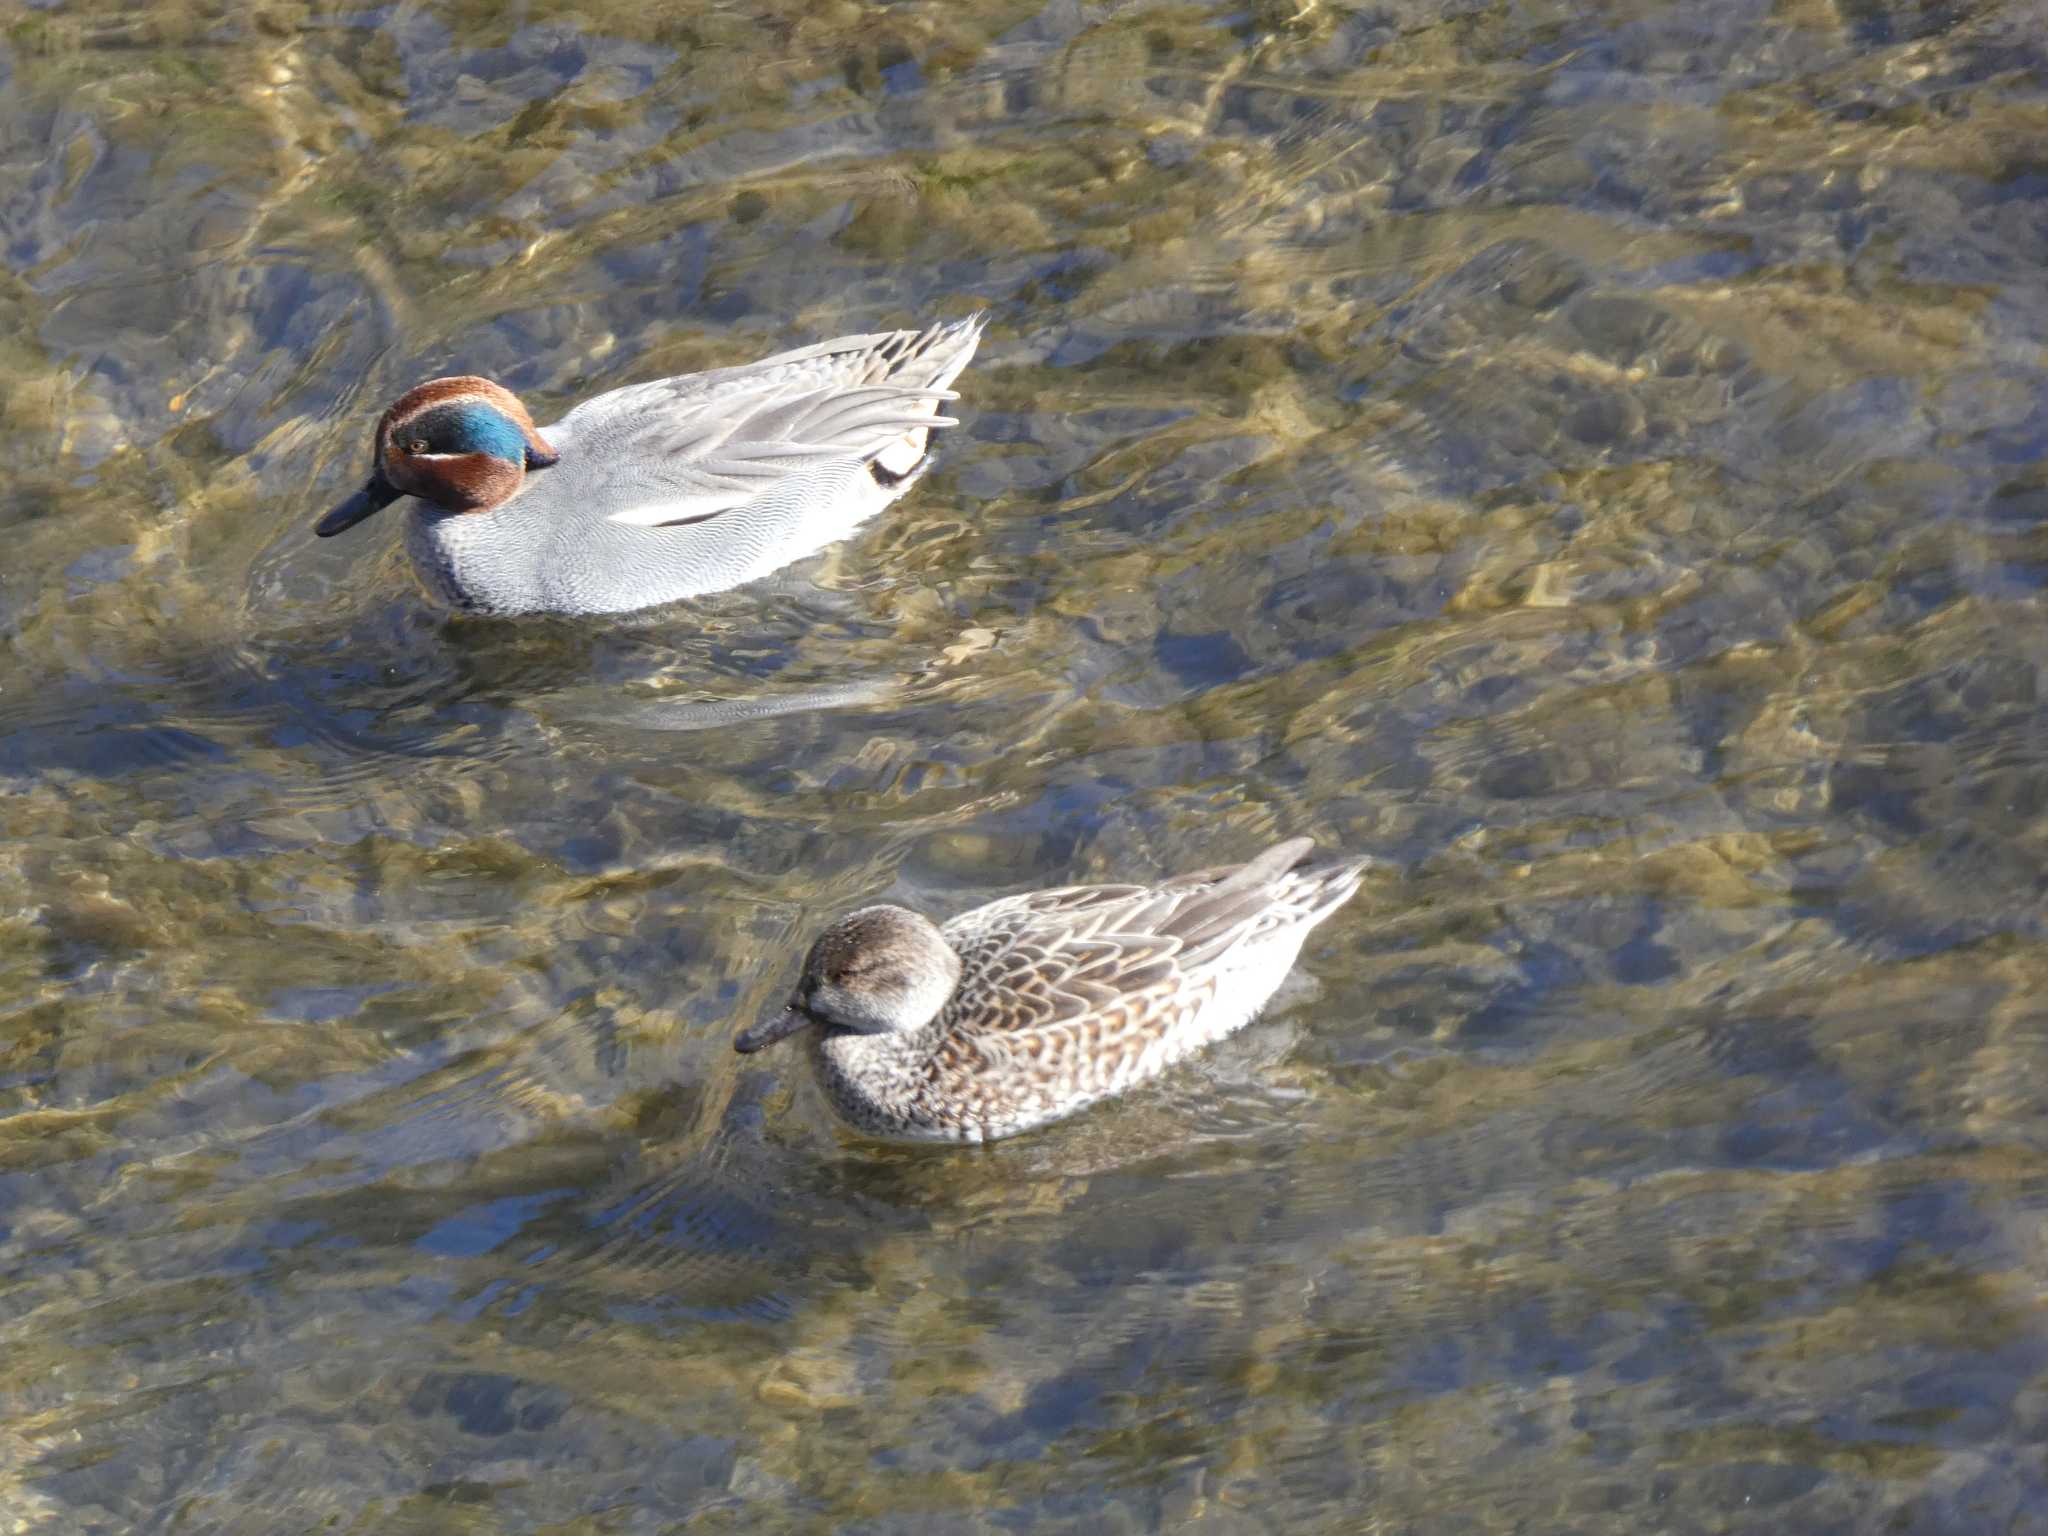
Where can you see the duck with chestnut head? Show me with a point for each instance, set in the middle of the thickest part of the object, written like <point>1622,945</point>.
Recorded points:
<point>657,491</point>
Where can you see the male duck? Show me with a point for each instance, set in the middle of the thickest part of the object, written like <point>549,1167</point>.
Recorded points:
<point>663,490</point>
<point>1032,1007</point>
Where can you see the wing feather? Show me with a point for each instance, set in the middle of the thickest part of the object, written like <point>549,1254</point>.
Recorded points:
<point>705,445</point>
<point>1025,977</point>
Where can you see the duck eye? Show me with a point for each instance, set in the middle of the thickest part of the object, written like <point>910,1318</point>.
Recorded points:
<point>417,445</point>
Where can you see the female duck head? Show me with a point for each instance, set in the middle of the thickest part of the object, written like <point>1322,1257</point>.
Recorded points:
<point>881,970</point>
<point>463,444</point>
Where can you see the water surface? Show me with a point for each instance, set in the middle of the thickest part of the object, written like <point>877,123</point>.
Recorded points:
<point>1593,457</point>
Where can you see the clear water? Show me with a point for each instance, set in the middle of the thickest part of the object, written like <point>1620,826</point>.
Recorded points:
<point>1595,457</point>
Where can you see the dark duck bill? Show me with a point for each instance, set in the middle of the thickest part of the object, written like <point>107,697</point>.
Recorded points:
<point>777,1026</point>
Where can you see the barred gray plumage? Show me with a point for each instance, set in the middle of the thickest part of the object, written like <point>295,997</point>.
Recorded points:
<point>664,490</point>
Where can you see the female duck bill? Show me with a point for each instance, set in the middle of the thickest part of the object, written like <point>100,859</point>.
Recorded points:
<point>777,1026</point>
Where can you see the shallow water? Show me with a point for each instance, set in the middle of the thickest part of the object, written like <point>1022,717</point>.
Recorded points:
<point>1595,458</point>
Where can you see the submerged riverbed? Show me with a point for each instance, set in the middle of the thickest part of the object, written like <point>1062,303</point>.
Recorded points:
<point>1594,458</point>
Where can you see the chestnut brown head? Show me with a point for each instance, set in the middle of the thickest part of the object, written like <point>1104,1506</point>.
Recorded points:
<point>462,444</point>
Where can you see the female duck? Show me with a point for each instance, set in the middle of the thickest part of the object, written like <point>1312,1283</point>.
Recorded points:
<point>657,491</point>
<point>1035,1006</point>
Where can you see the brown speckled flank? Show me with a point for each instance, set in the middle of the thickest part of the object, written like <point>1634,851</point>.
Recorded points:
<point>1030,1008</point>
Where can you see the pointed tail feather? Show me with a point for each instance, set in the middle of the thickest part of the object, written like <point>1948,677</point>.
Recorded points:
<point>926,369</point>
